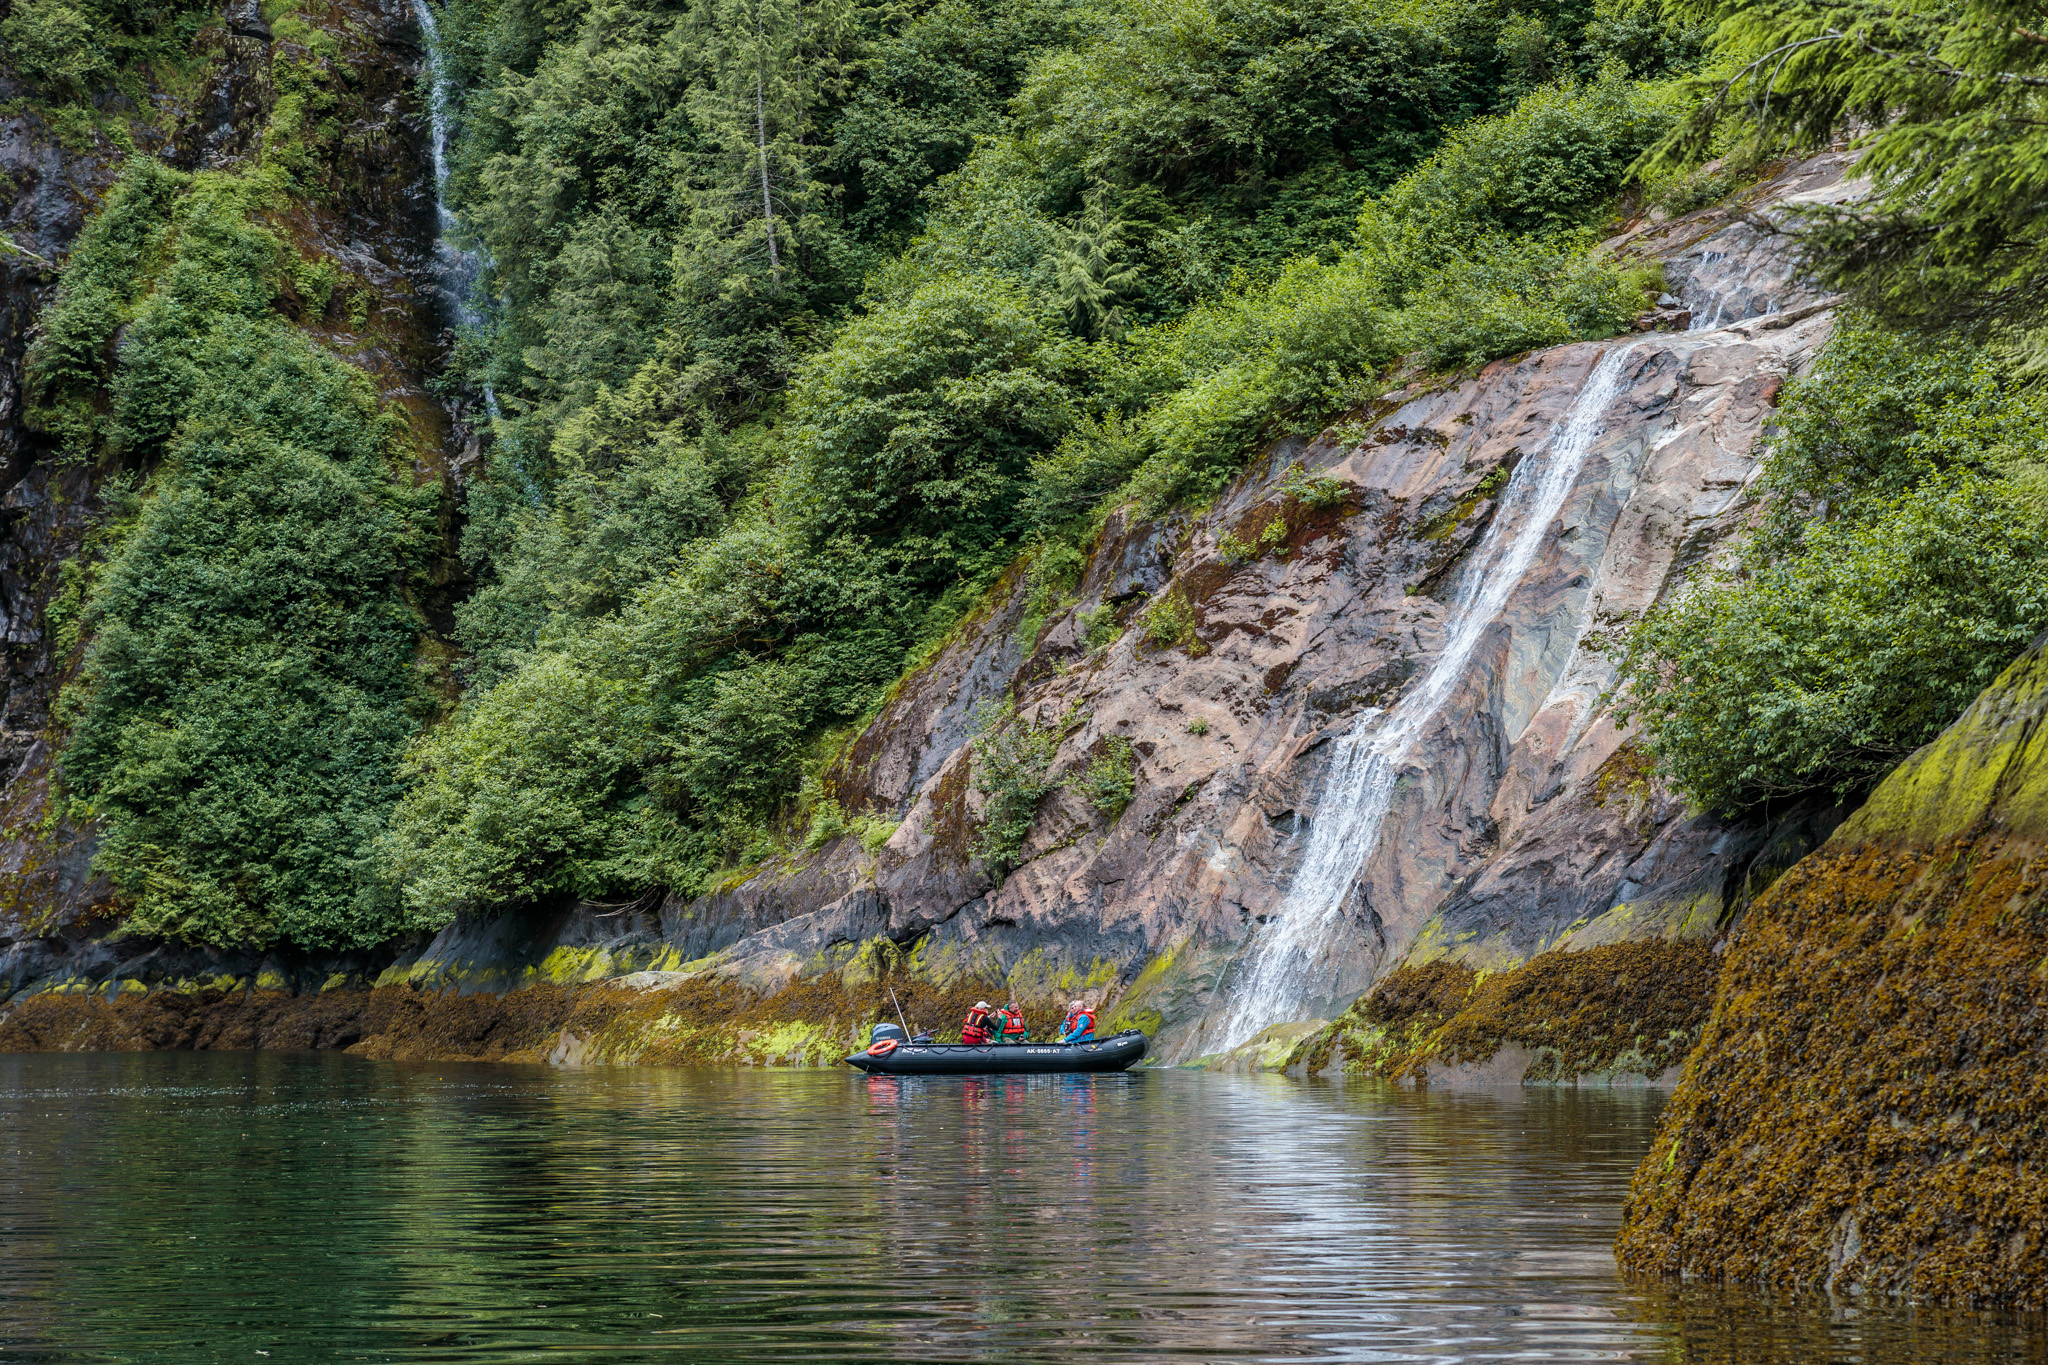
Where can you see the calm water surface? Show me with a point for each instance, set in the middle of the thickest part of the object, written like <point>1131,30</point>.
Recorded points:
<point>218,1207</point>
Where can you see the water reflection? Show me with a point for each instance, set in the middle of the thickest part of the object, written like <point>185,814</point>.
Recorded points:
<point>175,1208</point>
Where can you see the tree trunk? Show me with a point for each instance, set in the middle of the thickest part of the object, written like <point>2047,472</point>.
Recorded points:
<point>761,132</point>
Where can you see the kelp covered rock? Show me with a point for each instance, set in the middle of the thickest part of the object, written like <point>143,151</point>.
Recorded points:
<point>1621,1013</point>
<point>1866,1112</point>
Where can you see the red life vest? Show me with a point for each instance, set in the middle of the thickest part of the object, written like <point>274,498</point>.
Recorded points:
<point>1081,1023</point>
<point>975,1031</point>
<point>1013,1026</point>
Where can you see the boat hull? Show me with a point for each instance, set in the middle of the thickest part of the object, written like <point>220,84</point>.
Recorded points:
<point>998,1059</point>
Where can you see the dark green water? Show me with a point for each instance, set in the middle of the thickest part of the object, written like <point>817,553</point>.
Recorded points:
<point>218,1207</point>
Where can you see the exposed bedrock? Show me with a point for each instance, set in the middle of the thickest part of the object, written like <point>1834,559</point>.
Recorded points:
<point>1865,1111</point>
<point>1493,536</point>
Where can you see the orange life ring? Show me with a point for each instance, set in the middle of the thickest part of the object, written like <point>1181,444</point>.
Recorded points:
<point>883,1048</point>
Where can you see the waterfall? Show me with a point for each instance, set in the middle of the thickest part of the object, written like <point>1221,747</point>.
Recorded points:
<point>1366,763</point>
<point>455,270</point>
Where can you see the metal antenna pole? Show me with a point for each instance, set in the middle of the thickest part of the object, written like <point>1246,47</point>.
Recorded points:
<point>899,1011</point>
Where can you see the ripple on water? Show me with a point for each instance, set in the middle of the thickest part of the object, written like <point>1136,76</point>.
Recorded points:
<point>166,1207</point>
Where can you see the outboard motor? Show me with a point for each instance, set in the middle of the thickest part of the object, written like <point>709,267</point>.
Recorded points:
<point>890,1031</point>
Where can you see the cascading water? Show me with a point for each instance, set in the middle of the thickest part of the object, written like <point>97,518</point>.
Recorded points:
<point>455,270</point>
<point>1284,969</point>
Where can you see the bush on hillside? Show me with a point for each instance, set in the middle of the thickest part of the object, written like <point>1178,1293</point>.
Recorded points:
<point>1902,561</point>
<point>1213,101</point>
<point>248,683</point>
<point>249,688</point>
<point>1013,772</point>
<point>918,425</point>
<point>1553,162</point>
<point>1822,671</point>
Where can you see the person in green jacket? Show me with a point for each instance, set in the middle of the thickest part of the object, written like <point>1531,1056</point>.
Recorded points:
<point>1010,1025</point>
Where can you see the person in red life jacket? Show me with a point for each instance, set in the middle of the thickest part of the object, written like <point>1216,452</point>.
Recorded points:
<point>1010,1025</point>
<point>974,1032</point>
<point>1080,1024</point>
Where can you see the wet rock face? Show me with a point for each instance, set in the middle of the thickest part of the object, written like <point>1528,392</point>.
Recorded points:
<point>45,509</point>
<point>1863,1113</point>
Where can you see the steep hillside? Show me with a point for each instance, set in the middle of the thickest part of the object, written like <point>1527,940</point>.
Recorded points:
<point>1474,541</point>
<point>240,200</point>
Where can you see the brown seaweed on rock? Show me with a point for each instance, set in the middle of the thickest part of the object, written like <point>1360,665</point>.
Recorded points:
<point>1867,1111</point>
<point>1624,1008</point>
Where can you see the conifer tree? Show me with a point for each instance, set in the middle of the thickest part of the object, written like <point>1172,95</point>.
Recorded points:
<point>1091,279</point>
<point>1950,97</point>
<point>762,68</point>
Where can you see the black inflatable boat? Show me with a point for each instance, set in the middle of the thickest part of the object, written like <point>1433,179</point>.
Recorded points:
<point>911,1057</point>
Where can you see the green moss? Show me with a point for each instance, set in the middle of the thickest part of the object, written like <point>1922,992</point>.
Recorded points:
<point>571,966</point>
<point>1445,524</point>
<point>1993,759</point>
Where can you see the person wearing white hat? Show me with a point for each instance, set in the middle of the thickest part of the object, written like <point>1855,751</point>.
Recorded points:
<point>975,1031</point>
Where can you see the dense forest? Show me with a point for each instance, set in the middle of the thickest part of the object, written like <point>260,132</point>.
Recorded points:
<point>802,322</point>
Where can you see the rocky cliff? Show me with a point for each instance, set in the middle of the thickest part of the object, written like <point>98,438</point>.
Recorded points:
<point>329,94</point>
<point>1362,699</point>
<point>1864,1112</point>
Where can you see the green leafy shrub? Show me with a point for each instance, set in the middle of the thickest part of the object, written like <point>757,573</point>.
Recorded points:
<point>103,284</point>
<point>1054,570</point>
<point>1290,352</point>
<point>1900,564</point>
<point>873,831</point>
<point>1553,162</point>
<point>55,45</point>
<point>1823,670</point>
<point>532,791</point>
<point>1111,778</point>
<point>71,50</point>
<point>1170,621</point>
<point>1099,627</point>
<point>828,822</point>
<point>1881,411</point>
<point>1271,537</point>
<point>1510,295</point>
<point>918,425</point>
<point>1092,460</point>
<point>1685,191</point>
<point>248,690</point>
<point>1319,493</point>
<point>1013,771</point>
